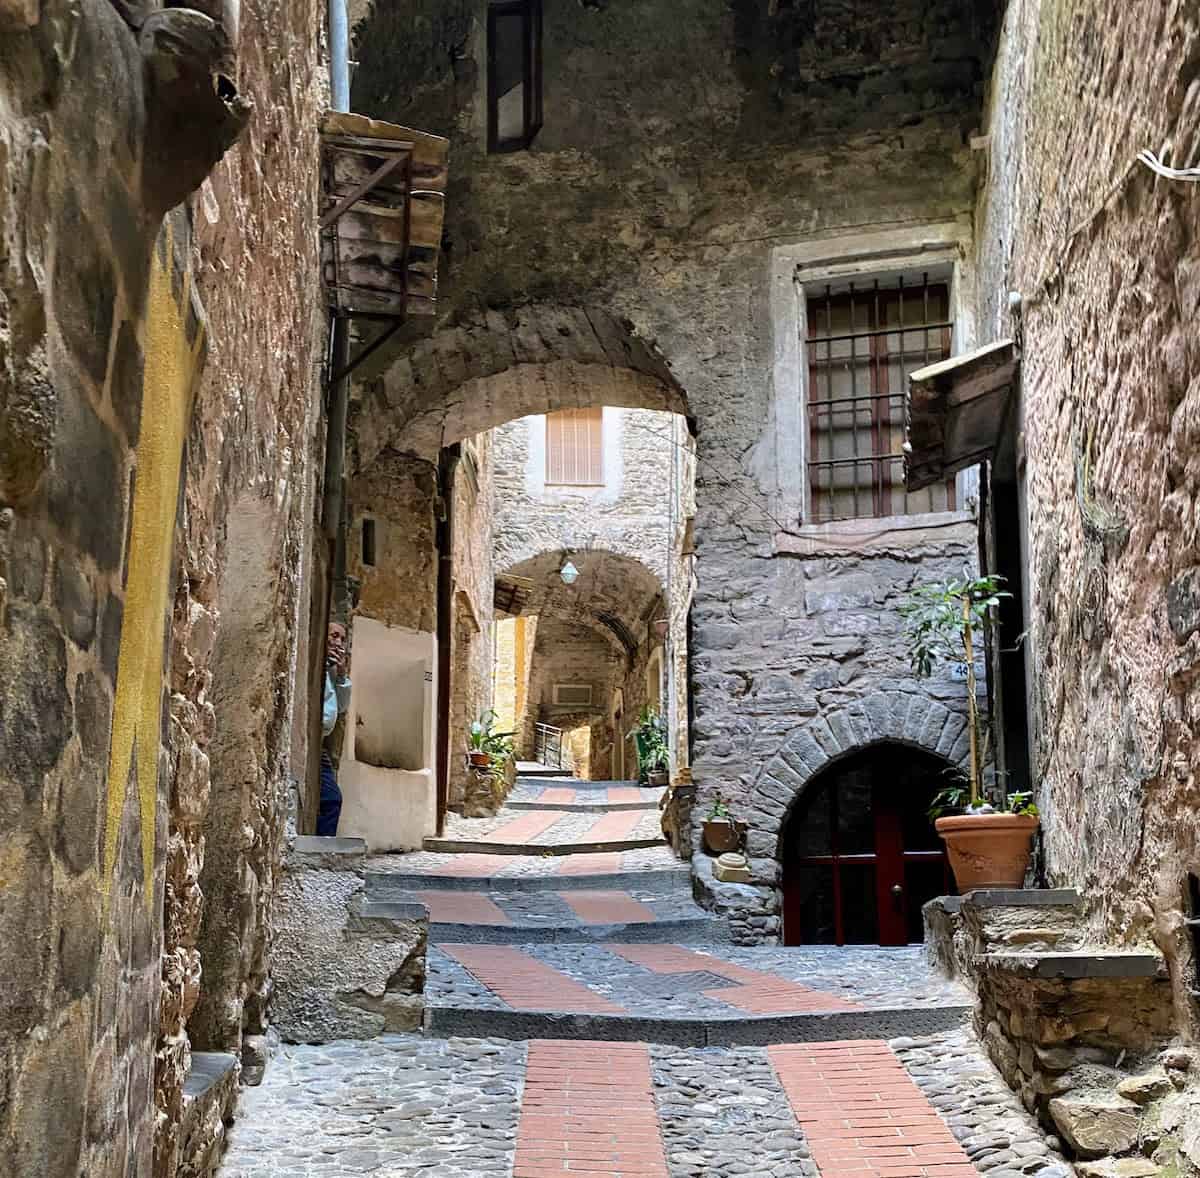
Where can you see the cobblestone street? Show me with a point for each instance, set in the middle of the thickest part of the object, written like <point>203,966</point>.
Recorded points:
<point>628,1054</point>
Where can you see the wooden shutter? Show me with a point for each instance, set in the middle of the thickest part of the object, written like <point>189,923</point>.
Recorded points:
<point>574,449</point>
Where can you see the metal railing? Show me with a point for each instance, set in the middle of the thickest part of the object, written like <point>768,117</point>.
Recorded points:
<point>547,745</point>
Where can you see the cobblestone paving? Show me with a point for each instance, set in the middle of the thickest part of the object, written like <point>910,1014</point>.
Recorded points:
<point>478,866</point>
<point>395,1106</point>
<point>999,1137</point>
<point>874,979</point>
<point>404,1105</point>
<point>562,909</point>
<point>596,794</point>
<point>722,1113</point>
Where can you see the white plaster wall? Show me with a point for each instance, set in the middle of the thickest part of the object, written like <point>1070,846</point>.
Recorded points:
<point>392,807</point>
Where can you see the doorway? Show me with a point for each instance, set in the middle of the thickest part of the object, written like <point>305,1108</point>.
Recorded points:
<point>860,854</point>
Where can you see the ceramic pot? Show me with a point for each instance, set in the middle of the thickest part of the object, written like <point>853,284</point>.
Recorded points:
<point>720,835</point>
<point>988,850</point>
<point>480,760</point>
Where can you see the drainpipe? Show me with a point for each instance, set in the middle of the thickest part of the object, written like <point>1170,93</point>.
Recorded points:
<point>447,467</point>
<point>339,55</point>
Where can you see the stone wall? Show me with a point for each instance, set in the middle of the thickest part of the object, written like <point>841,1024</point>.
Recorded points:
<point>473,586</point>
<point>1105,258</point>
<point>104,339</point>
<point>609,211</point>
<point>241,600</point>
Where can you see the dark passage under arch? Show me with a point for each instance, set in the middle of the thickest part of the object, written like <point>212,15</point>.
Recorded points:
<point>859,852</point>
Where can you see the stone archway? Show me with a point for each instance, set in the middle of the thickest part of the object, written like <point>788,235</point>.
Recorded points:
<point>899,717</point>
<point>468,378</point>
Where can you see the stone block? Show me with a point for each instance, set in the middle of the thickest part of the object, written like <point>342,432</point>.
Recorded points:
<point>1146,1087</point>
<point>343,968</point>
<point>1118,1168</point>
<point>1096,1126</point>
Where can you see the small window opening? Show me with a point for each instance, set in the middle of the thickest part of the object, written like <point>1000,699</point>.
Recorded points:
<point>514,74</point>
<point>862,344</point>
<point>368,543</point>
<point>575,448</point>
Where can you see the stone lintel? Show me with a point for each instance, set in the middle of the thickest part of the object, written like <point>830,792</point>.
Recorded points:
<point>846,537</point>
<point>1020,898</point>
<point>1078,965</point>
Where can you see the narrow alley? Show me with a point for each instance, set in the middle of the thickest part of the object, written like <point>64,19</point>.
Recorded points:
<point>599,588</point>
<point>583,1015</point>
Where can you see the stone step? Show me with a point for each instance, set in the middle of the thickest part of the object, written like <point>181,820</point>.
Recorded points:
<point>488,847</point>
<point>662,881</point>
<point>578,807</point>
<point>694,930</point>
<point>734,1031</point>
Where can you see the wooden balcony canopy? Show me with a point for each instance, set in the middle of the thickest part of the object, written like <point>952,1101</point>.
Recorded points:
<point>955,411</point>
<point>512,594</point>
<point>383,192</point>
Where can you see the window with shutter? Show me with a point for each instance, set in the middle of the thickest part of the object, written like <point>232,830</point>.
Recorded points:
<point>574,448</point>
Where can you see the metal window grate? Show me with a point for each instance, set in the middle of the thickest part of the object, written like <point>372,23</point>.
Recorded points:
<point>862,343</point>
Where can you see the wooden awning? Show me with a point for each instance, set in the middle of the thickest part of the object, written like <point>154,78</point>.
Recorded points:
<point>955,411</point>
<point>512,594</point>
<point>383,193</point>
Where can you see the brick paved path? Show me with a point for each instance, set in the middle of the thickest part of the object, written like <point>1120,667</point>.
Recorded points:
<point>571,1031</point>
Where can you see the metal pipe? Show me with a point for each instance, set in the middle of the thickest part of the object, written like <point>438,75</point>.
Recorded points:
<point>335,437</point>
<point>447,467</point>
<point>339,55</point>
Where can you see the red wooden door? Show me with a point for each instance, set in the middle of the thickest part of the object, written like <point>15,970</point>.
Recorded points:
<point>860,854</point>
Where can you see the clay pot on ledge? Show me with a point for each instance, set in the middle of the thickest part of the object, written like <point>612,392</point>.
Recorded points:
<point>657,777</point>
<point>720,835</point>
<point>988,850</point>
<point>479,760</point>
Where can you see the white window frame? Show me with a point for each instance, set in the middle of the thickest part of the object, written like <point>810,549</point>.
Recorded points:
<point>941,248</point>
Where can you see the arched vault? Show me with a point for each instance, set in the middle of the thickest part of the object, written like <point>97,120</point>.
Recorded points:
<point>503,365</point>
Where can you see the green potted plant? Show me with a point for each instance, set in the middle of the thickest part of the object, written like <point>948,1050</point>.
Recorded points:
<point>988,845</point>
<point>719,831</point>
<point>654,756</point>
<point>485,744</point>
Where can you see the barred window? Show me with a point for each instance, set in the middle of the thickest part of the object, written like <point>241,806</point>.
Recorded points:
<point>574,448</point>
<point>863,341</point>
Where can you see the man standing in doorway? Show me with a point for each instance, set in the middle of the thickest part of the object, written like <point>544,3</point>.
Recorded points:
<point>334,703</point>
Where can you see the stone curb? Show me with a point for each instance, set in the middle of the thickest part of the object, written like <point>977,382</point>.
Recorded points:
<point>735,1031</point>
<point>382,884</point>
<point>473,847</point>
<point>681,930</point>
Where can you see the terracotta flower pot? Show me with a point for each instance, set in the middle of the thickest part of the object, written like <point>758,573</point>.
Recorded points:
<point>480,760</point>
<point>658,777</point>
<point>720,835</point>
<point>988,850</point>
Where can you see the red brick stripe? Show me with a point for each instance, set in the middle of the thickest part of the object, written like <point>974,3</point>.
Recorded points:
<point>612,827</point>
<point>863,1115</point>
<point>557,795</point>
<point>522,829</point>
<point>756,993</point>
<point>526,983</point>
<point>446,907</point>
<point>591,863</point>
<point>624,793</point>
<point>588,1109</point>
<point>608,908</point>
<point>469,866</point>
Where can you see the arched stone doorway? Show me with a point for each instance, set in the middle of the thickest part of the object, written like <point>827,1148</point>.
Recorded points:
<point>859,853</point>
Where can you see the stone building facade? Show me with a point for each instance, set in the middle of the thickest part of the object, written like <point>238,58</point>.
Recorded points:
<point>1101,257</point>
<point>809,178</point>
<point>150,448</point>
<point>638,511</point>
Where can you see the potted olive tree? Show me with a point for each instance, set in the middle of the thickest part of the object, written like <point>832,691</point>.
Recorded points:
<point>988,844</point>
